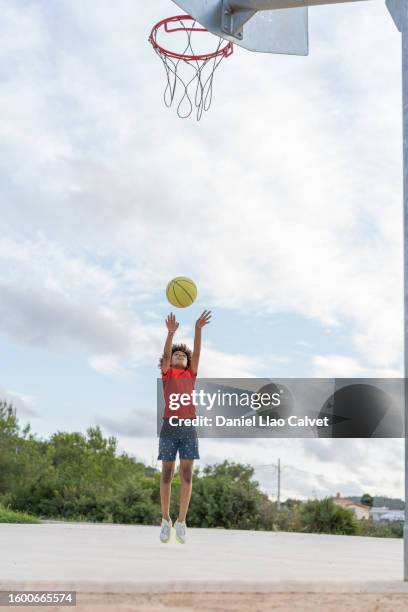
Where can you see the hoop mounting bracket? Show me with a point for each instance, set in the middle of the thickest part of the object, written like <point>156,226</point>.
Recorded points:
<point>233,20</point>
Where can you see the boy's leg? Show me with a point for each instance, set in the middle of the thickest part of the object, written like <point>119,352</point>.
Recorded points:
<point>186,478</point>
<point>165,487</point>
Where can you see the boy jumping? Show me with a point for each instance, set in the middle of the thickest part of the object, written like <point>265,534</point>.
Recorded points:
<point>179,371</point>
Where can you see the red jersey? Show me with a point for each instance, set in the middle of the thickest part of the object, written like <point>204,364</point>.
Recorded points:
<point>178,381</point>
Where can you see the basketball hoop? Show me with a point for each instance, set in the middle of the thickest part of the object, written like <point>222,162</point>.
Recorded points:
<point>187,69</point>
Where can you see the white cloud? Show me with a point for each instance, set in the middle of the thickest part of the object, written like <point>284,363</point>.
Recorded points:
<point>22,402</point>
<point>62,301</point>
<point>108,365</point>
<point>312,467</point>
<point>215,363</point>
<point>340,366</point>
<point>296,211</point>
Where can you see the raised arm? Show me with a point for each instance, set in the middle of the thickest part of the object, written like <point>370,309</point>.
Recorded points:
<point>172,326</point>
<point>201,321</point>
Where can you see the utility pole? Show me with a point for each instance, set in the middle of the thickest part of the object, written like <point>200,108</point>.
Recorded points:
<point>279,480</point>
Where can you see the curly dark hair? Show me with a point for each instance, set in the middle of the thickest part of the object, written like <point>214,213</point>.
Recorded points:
<point>179,347</point>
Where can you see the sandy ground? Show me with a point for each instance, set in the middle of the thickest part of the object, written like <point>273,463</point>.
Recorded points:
<point>235,602</point>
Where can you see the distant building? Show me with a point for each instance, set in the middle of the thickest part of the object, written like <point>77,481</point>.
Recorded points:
<point>377,513</point>
<point>360,510</point>
<point>393,515</point>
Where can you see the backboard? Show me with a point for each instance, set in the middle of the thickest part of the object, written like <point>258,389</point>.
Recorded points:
<point>276,31</point>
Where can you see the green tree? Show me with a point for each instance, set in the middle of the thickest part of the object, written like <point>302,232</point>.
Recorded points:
<point>367,500</point>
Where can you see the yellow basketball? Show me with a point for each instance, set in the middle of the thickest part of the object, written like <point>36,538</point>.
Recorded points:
<point>181,292</point>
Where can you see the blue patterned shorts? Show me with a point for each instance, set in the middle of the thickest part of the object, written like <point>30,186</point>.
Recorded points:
<point>170,443</point>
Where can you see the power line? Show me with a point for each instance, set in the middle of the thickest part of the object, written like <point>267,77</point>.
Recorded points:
<point>309,473</point>
<point>278,469</point>
<point>292,467</point>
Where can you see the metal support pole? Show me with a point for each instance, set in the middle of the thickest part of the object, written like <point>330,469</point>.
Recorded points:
<point>279,484</point>
<point>405,174</point>
<point>399,12</point>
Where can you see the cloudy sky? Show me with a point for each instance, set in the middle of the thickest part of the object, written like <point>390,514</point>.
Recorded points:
<point>283,203</point>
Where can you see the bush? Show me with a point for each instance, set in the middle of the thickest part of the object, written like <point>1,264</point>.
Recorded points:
<point>325,516</point>
<point>226,496</point>
<point>289,518</point>
<point>75,476</point>
<point>9,516</point>
<point>371,528</point>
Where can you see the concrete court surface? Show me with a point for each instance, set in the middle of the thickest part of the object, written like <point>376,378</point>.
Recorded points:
<point>90,557</point>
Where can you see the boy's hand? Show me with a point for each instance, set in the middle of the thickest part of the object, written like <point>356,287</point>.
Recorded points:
<point>204,319</point>
<point>171,323</point>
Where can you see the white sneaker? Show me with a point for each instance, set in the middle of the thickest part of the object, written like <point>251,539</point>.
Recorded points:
<point>181,532</point>
<point>165,531</point>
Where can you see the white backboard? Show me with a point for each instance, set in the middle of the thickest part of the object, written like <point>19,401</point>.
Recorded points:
<point>277,31</point>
